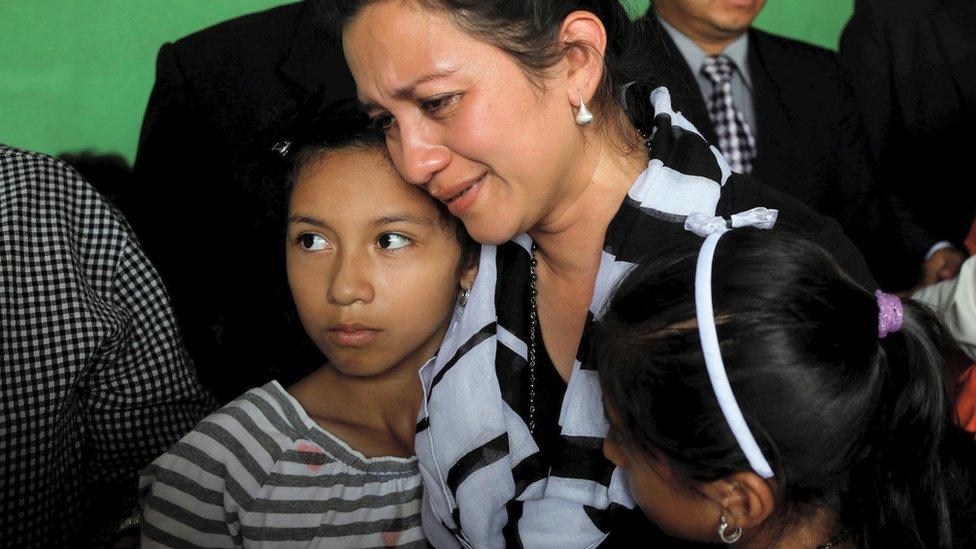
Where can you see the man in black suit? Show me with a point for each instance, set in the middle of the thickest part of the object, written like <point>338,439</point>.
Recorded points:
<point>221,97</point>
<point>912,64</point>
<point>797,125</point>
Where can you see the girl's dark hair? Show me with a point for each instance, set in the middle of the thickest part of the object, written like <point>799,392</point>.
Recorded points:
<point>860,425</point>
<point>528,31</point>
<point>273,162</point>
<point>268,168</point>
<point>340,125</point>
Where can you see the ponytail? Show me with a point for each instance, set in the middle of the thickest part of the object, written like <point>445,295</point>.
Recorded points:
<point>849,422</point>
<point>904,489</point>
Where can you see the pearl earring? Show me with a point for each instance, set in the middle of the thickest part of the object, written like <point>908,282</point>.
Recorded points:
<point>583,115</point>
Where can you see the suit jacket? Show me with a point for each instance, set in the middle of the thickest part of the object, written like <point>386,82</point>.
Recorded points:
<point>810,145</point>
<point>220,94</point>
<point>912,64</point>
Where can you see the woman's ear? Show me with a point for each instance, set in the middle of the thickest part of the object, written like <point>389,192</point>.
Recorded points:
<point>584,37</point>
<point>745,497</point>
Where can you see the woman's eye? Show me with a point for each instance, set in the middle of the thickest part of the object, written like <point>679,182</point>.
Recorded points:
<point>439,102</point>
<point>383,122</point>
<point>312,242</point>
<point>392,241</point>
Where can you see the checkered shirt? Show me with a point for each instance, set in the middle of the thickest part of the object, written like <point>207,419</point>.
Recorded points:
<point>735,137</point>
<point>94,380</point>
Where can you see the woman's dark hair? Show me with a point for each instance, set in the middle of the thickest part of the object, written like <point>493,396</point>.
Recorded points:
<point>528,31</point>
<point>850,422</point>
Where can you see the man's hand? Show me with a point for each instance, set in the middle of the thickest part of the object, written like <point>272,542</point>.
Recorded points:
<point>943,265</point>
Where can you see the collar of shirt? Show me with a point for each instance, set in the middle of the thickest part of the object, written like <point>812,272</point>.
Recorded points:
<point>737,51</point>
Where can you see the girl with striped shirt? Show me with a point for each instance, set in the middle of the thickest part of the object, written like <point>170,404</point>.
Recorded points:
<point>375,267</point>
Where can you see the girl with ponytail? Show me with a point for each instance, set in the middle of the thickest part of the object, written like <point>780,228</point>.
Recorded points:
<point>816,414</point>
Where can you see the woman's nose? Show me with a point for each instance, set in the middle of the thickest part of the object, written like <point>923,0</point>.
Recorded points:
<point>420,155</point>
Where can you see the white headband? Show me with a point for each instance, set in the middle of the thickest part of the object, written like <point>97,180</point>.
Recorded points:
<point>712,228</point>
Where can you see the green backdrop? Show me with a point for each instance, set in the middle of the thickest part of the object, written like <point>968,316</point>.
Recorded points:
<point>76,74</point>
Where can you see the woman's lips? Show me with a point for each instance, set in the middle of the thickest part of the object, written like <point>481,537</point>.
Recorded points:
<point>462,201</point>
<point>352,337</point>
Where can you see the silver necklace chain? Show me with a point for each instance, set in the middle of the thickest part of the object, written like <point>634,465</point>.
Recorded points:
<point>533,322</point>
<point>534,316</point>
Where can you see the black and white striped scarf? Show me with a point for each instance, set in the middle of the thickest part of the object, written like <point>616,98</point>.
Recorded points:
<point>476,452</point>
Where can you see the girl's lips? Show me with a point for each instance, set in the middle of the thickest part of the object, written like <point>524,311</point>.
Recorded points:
<point>461,202</point>
<point>353,338</point>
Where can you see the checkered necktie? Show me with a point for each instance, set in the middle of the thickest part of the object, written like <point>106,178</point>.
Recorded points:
<point>735,138</point>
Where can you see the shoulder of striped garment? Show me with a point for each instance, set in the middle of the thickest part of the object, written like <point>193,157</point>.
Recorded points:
<point>263,430</point>
<point>246,458</point>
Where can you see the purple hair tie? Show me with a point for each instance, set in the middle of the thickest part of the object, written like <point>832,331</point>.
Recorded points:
<point>889,313</point>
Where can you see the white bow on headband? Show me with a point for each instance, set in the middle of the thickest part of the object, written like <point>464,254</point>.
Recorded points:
<point>704,225</point>
<point>712,228</point>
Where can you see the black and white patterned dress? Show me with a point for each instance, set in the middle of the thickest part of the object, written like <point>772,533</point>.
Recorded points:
<point>488,483</point>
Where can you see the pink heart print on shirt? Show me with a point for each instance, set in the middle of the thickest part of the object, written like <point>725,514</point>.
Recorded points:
<point>390,539</point>
<point>310,448</point>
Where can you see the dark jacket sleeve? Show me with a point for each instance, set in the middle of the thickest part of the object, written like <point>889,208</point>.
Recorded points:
<point>888,234</point>
<point>866,64</point>
<point>910,65</point>
<point>177,209</point>
<point>743,193</point>
<point>817,150</point>
<point>865,61</point>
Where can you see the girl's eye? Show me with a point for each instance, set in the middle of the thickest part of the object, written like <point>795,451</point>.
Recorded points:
<point>312,242</point>
<point>392,241</point>
<point>439,102</point>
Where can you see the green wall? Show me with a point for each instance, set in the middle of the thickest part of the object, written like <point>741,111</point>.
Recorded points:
<point>76,74</point>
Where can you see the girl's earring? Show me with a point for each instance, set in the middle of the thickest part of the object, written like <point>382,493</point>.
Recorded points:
<point>723,525</point>
<point>583,115</point>
<point>463,297</point>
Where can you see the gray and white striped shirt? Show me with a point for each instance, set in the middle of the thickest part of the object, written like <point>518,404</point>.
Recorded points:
<point>261,473</point>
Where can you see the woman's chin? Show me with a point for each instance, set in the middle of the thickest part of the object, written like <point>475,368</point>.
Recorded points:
<point>490,232</point>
